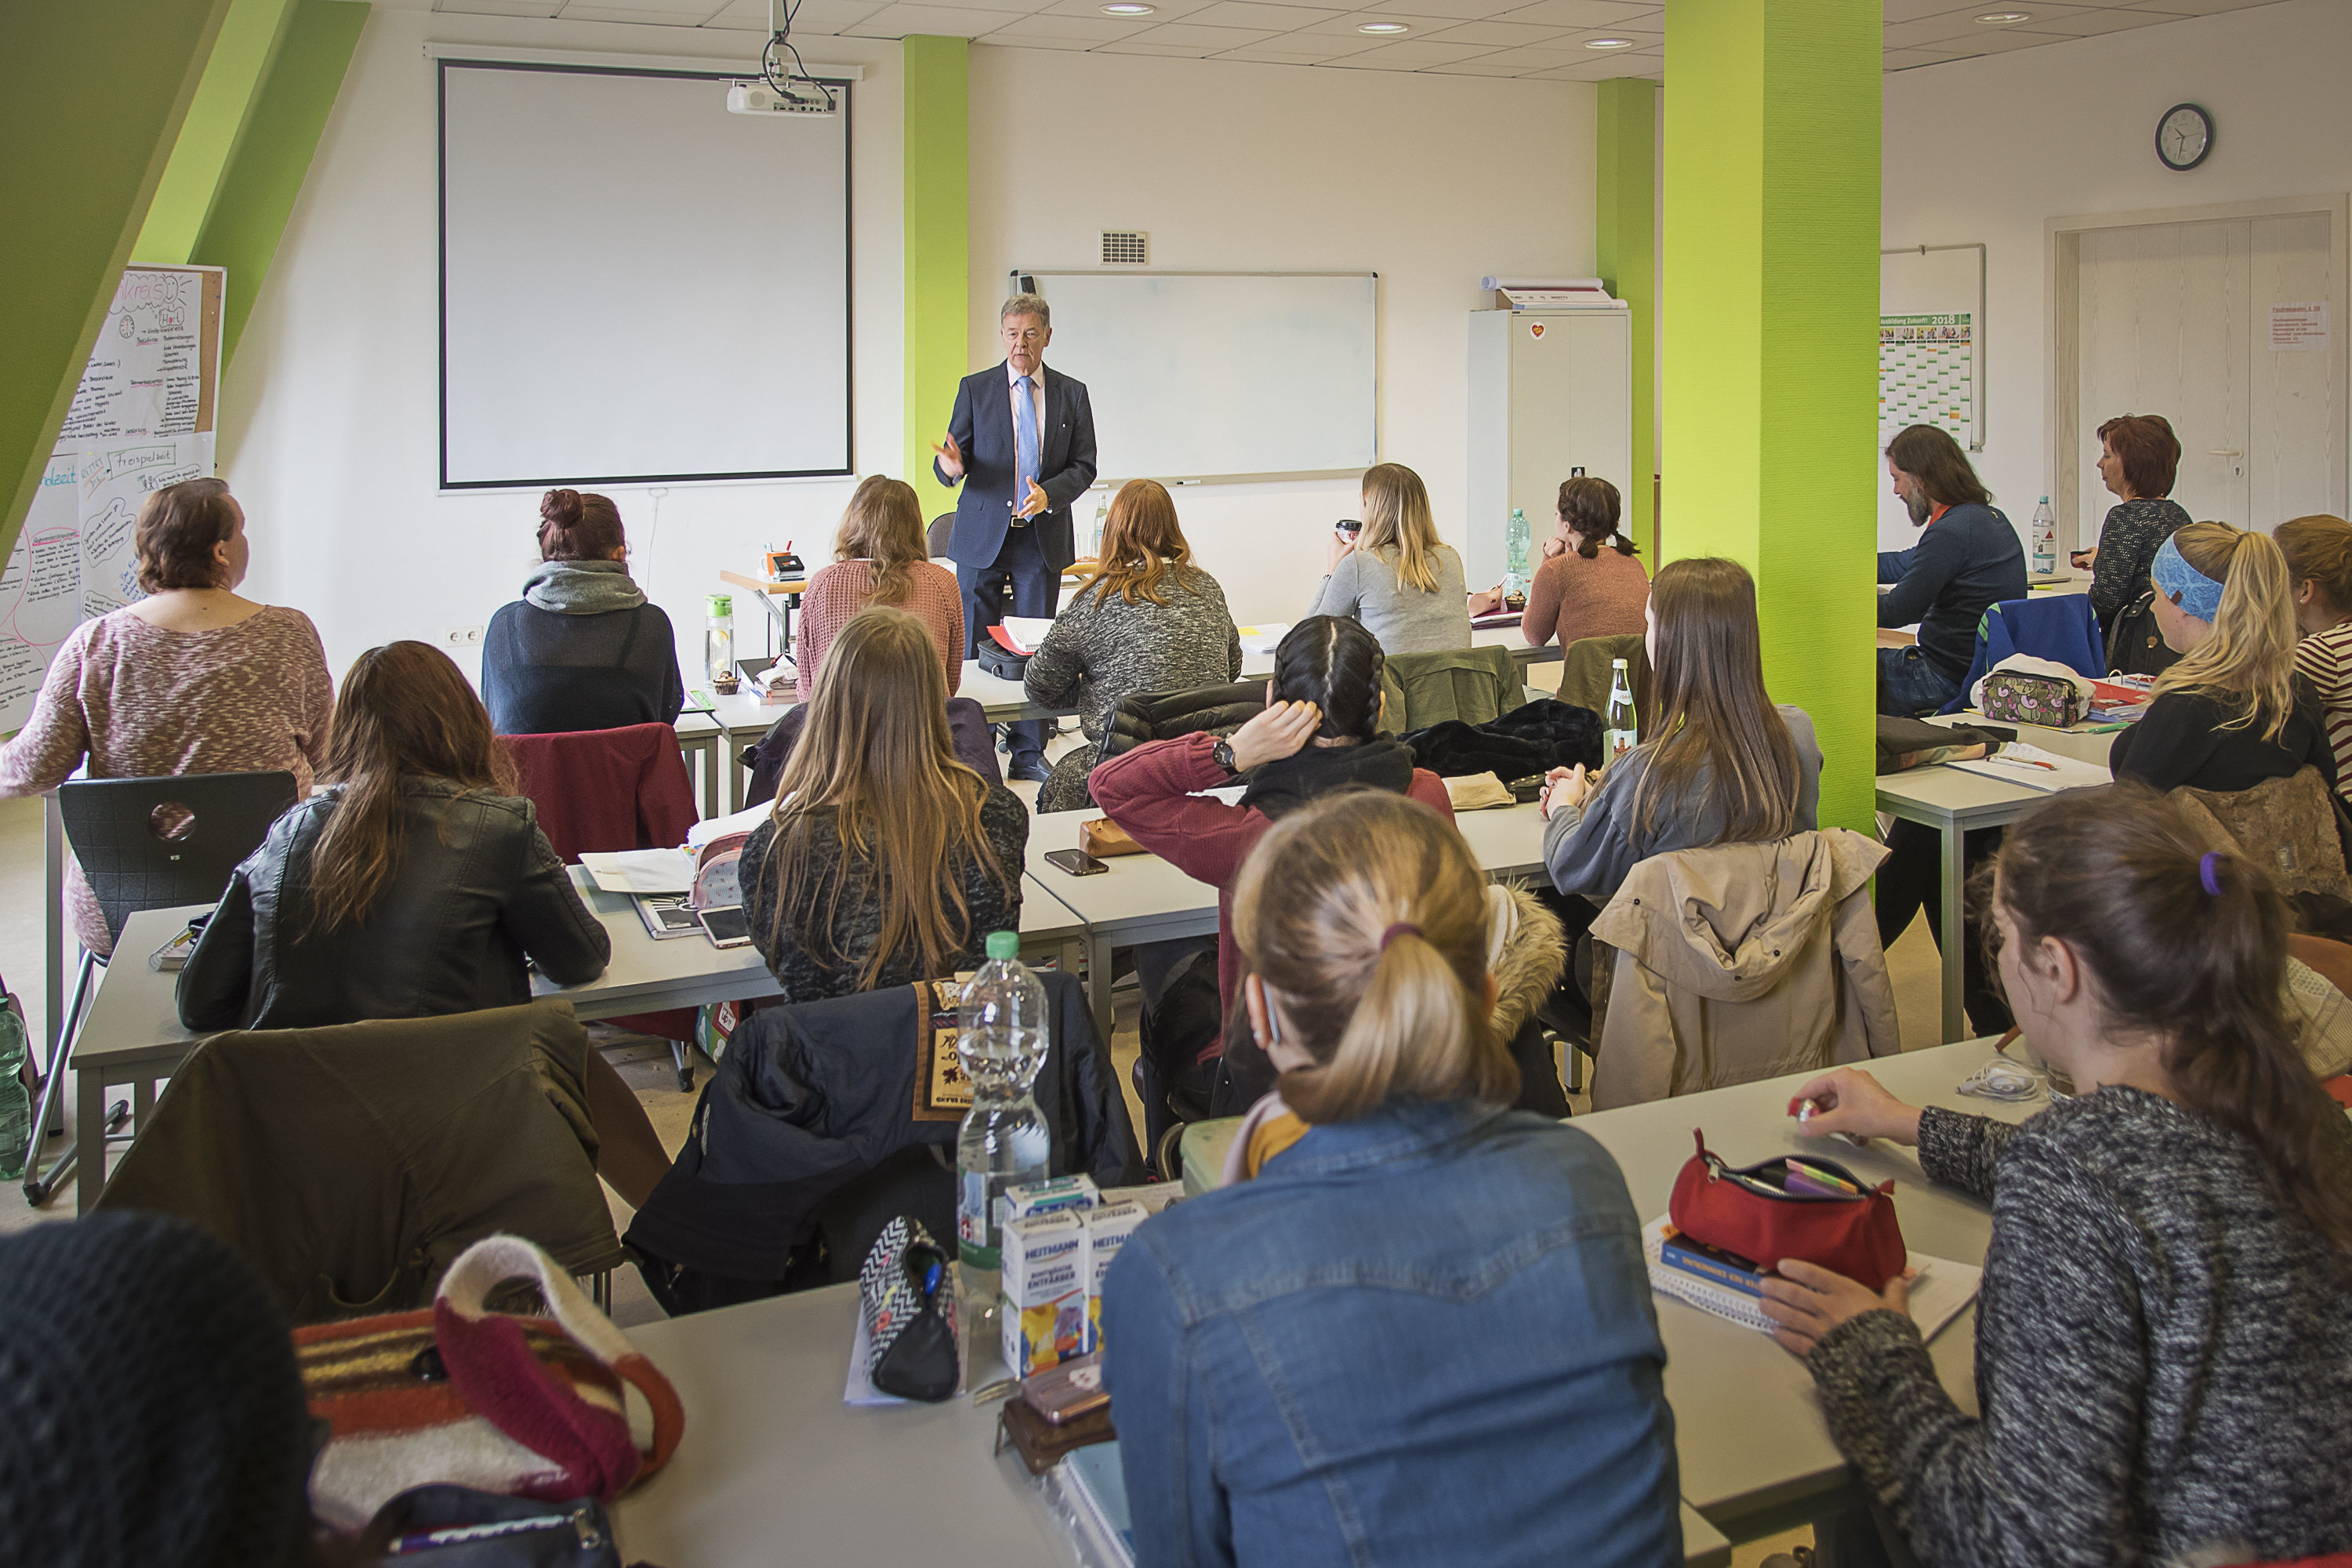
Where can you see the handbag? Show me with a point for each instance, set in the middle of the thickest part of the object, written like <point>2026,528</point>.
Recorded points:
<point>2135,644</point>
<point>1751,1212</point>
<point>2019,696</point>
<point>1001,661</point>
<point>907,1291</point>
<point>523,1406</point>
<point>1102,838</point>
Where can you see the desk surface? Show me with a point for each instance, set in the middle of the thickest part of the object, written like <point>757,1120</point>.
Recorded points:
<point>774,1466</point>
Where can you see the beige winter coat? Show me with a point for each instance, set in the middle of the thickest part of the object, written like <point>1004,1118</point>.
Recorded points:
<point>1743,961</point>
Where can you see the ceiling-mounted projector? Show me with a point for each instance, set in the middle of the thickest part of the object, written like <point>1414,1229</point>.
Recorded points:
<point>759,98</point>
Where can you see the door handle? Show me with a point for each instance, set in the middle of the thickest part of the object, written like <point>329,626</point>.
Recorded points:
<point>2224,452</point>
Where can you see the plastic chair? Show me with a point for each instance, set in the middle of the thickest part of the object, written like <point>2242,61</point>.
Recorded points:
<point>146,843</point>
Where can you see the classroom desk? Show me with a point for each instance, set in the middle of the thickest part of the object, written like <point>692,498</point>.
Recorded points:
<point>707,755</point>
<point>1756,1456</point>
<point>773,1467</point>
<point>1143,899</point>
<point>133,1033</point>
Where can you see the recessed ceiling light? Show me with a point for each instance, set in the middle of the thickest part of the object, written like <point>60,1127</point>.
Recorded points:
<point>1608,43</point>
<point>1384,28</point>
<point>1129,8</point>
<point>2002,18</point>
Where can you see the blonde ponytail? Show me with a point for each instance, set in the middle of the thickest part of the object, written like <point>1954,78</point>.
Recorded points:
<point>2249,655</point>
<point>1365,917</point>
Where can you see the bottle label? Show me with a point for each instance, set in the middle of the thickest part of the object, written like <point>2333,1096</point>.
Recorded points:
<point>1617,743</point>
<point>972,1211</point>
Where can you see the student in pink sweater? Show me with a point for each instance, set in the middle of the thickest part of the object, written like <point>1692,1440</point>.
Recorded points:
<point>1590,586</point>
<point>879,557</point>
<point>190,679</point>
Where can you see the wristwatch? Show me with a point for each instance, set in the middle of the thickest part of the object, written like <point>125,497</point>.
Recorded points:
<point>1222,753</point>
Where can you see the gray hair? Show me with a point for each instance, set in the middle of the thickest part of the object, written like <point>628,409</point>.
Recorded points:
<point>1026,305</point>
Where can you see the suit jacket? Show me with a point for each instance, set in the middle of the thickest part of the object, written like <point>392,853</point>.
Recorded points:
<point>981,425</point>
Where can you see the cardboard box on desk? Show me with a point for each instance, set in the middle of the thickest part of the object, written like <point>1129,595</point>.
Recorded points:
<point>1108,1228</point>
<point>1044,1279</point>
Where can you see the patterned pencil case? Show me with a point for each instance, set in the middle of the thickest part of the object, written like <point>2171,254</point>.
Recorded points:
<point>2015,696</point>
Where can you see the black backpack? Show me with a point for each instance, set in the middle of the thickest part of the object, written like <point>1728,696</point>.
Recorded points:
<point>2135,644</point>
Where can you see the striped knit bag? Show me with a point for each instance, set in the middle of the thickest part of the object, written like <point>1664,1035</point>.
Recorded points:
<point>530,1407</point>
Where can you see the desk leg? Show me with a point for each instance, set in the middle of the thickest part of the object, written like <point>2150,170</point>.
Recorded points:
<point>1955,934</point>
<point>53,921</point>
<point>1099,983</point>
<point>89,1136</point>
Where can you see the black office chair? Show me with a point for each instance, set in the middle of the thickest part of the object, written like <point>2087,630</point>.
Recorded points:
<point>145,844</point>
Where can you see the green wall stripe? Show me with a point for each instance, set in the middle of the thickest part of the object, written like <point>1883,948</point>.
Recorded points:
<point>88,125</point>
<point>1771,234</point>
<point>208,138</point>
<point>259,188</point>
<point>1626,255</point>
<point>936,161</point>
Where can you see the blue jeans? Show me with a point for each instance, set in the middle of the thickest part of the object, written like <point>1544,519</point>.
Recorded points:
<point>1908,685</point>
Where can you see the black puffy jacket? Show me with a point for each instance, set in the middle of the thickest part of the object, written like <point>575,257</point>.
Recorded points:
<point>1168,715</point>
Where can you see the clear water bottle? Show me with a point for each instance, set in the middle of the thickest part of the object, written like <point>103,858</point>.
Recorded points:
<point>1621,729</point>
<point>2045,539</point>
<point>16,1105</point>
<point>1516,542</point>
<point>1002,1042</point>
<point>718,641</point>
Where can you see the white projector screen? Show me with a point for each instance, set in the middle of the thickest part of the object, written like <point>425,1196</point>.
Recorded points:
<point>637,285</point>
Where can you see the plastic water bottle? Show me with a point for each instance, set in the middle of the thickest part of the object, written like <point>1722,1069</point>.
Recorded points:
<point>1002,1042</point>
<point>2045,540</point>
<point>16,1105</point>
<point>1516,542</point>
<point>718,642</point>
<point>1621,730</point>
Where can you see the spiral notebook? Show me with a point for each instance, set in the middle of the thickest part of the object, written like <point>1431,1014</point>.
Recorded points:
<point>1942,1288</point>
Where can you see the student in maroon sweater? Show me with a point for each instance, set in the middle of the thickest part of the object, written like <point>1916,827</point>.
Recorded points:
<point>1319,734</point>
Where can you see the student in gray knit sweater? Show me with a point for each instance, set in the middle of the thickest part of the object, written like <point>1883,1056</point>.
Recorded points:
<point>2164,1340</point>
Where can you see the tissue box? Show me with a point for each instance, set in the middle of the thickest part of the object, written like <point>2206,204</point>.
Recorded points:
<point>1053,1196</point>
<point>1044,1283</point>
<point>1108,1228</point>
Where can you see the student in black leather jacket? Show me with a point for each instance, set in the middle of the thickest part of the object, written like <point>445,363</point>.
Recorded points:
<point>413,886</point>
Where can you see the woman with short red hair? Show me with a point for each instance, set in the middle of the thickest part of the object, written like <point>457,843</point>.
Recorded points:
<point>2139,458</point>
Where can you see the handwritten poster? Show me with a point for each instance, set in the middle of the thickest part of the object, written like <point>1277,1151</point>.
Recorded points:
<point>140,419</point>
<point>1927,373</point>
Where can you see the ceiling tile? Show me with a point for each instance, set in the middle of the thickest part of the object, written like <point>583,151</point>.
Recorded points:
<point>689,12</point>
<point>1168,51</point>
<point>1588,14</point>
<point>940,21</point>
<point>1597,71</point>
<point>1264,18</point>
<point>1412,56</point>
<point>1910,59</point>
<point>1912,10</point>
<point>1207,40</point>
<point>1535,59</point>
<point>1994,41</point>
<point>1346,25</point>
<point>1474,68</point>
<point>823,16</point>
<point>1064,46</point>
<point>2090,24</point>
<point>1163,11</point>
<point>502,8</point>
<point>1460,10</point>
<point>1087,30</point>
<point>1269,57</point>
<point>1496,35</point>
<point>2202,8</point>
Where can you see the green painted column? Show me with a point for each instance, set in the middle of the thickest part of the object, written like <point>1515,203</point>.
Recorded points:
<point>1770,363</point>
<point>208,138</point>
<point>938,161</point>
<point>89,124</point>
<point>1625,233</point>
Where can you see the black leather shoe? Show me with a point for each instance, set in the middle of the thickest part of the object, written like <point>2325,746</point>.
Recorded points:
<point>1029,770</point>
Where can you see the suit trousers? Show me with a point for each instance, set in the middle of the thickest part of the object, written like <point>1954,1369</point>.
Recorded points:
<point>1036,589</point>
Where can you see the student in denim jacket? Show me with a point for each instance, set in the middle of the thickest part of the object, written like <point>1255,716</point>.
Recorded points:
<point>1421,1332</point>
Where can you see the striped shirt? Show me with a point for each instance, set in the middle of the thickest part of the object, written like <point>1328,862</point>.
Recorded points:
<point>2326,658</point>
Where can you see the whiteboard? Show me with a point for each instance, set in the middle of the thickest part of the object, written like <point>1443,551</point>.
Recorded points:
<point>637,285</point>
<point>1221,374</point>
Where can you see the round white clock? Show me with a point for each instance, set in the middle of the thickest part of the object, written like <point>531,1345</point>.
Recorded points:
<point>2183,137</point>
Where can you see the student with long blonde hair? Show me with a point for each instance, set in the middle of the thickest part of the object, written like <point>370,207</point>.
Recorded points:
<point>2232,712</point>
<point>1426,1303</point>
<point>1397,576</point>
<point>884,859</point>
<point>1151,621</point>
<point>879,557</point>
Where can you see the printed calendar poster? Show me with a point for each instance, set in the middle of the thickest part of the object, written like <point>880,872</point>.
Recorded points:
<point>1927,373</point>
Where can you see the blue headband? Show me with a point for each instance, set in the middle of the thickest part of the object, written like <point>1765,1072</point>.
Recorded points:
<point>2184,585</point>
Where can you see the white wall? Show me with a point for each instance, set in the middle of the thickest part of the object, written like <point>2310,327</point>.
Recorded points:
<point>329,408</point>
<point>1988,149</point>
<point>1431,181</point>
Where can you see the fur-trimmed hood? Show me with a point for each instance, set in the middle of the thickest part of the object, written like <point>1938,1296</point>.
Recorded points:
<point>1533,956</point>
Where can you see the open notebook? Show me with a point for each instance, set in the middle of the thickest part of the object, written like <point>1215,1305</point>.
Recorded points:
<point>1942,1288</point>
<point>2036,769</point>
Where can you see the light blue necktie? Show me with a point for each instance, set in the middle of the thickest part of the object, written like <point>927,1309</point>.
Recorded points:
<point>1025,443</point>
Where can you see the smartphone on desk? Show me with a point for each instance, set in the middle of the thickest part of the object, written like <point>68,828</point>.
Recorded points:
<point>727,926</point>
<point>1076,862</point>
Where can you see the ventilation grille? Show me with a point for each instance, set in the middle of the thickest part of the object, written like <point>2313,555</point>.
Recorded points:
<point>1126,247</point>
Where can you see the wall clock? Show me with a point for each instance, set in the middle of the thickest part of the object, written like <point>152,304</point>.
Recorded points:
<point>2183,136</point>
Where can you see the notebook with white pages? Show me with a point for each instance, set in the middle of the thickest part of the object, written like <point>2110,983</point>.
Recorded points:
<point>2036,769</point>
<point>1941,1290</point>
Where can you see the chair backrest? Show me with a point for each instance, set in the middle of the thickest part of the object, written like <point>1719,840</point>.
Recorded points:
<point>2288,826</point>
<point>1475,685</point>
<point>935,537</point>
<point>1584,674</point>
<point>2061,627</point>
<point>149,843</point>
<point>1143,716</point>
<point>975,747</point>
<point>605,790</point>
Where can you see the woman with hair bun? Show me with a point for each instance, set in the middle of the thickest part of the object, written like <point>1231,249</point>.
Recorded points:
<point>582,650</point>
<point>2164,1335</point>
<point>1590,584</point>
<point>1423,1332</point>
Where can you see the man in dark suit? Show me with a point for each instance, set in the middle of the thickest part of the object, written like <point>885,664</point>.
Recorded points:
<point>1022,442</point>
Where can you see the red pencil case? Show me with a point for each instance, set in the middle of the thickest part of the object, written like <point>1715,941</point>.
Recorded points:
<point>1750,1211</point>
